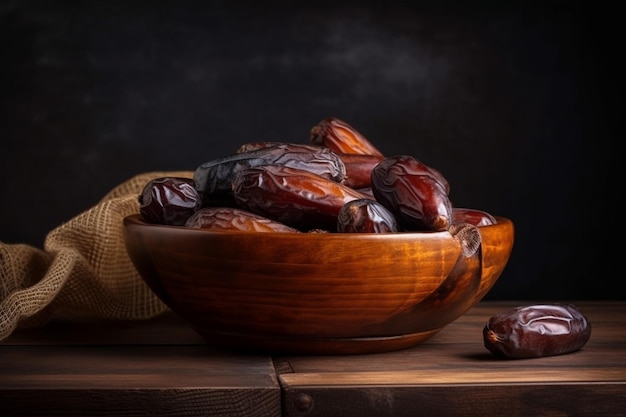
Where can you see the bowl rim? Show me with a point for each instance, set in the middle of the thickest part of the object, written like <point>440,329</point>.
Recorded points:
<point>136,220</point>
<point>396,330</point>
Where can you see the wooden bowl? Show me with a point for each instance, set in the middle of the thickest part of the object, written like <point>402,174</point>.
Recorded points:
<point>316,293</point>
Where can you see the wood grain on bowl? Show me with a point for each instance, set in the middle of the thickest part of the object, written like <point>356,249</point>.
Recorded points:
<point>316,293</point>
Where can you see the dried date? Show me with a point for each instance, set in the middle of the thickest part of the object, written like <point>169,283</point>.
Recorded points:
<point>168,200</point>
<point>292,196</point>
<point>359,169</point>
<point>365,216</point>
<point>213,179</point>
<point>408,189</point>
<point>537,330</point>
<point>341,137</point>
<point>441,179</point>
<point>358,166</point>
<point>234,219</point>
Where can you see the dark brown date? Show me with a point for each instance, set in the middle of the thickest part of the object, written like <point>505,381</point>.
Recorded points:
<point>474,217</point>
<point>358,166</point>
<point>537,330</point>
<point>408,189</point>
<point>213,179</point>
<point>168,200</point>
<point>359,169</point>
<point>365,216</point>
<point>234,219</point>
<point>439,177</point>
<point>340,137</point>
<point>292,196</point>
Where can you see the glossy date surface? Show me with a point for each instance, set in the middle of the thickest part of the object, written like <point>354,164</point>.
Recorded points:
<point>292,196</point>
<point>359,169</point>
<point>537,330</point>
<point>229,218</point>
<point>341,137</point>
<point>365,216</point>
<point>213,179</point>
<point>168,200</point>
<point>413,193</point>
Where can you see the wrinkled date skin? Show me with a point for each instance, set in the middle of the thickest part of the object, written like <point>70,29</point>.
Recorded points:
<point>474,217</point>
<point>411,191</point>
<point>365,216</point>
<point>358,166</point>
<point>168,200</point>
<point>213,179</point>
<point>292,196</point>
<point>234,219</point>
<point>537,330</point>
<point>340,137</point>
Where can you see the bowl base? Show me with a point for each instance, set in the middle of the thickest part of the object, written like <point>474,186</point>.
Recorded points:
<point>316,346</point>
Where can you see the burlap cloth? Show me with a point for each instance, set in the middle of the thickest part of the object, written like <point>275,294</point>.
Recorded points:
<point>83,270</point>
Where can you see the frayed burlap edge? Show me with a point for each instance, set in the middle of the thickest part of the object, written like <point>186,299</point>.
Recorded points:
<point>83,269</point>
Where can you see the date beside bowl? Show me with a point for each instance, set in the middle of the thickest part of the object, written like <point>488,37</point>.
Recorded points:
<point>316,293</point>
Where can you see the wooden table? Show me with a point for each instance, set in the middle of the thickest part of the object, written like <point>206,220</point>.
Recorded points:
<point>161,367</point>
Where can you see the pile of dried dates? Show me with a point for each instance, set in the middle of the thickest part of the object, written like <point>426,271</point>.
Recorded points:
<point>337,182</point>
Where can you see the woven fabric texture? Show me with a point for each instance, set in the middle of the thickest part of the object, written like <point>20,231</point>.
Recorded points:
<point>83,270</point>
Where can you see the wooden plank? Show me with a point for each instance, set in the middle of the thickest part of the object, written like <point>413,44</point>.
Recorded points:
<point>453,374</point>
<point>162,367</point>
<point>459,347</point>
<point>166,329</point>
<point>110,367</point>
<point>453,377</point>
<point>141,402</point>
<point>575,400</point>
<point>157,367</point>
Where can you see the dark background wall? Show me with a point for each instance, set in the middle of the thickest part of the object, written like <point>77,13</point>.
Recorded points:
<point>513,103</point>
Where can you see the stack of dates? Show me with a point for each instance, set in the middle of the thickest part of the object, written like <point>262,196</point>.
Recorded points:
<point>338,182</point>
